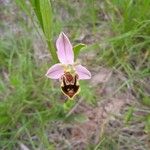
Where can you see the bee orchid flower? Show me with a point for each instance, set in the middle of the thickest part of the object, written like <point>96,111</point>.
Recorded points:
<point>67,71</point>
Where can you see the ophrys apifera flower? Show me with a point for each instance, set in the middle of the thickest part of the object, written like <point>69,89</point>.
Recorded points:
<point>67,71</point>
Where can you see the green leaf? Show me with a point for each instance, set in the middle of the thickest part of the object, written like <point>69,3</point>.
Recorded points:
<point>47,19</point>
<point>147,124</point>
<point>146,100</point>
<point>5,118</point>
<point>46,13</point>
<point>36,6</point>
<point>77,48</point>
<point>128,115</point>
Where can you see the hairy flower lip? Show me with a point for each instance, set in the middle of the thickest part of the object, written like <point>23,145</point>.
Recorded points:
<point>66,57</point>
<point>70,85</point>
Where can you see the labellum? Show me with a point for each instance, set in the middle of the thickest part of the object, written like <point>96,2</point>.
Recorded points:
<point>70,86</point>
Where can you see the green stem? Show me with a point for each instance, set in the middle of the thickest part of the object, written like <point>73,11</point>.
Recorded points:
<point>52,51</point>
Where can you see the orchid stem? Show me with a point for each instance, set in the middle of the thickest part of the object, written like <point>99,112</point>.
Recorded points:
<point>52,51</point>
<point>74,108</point>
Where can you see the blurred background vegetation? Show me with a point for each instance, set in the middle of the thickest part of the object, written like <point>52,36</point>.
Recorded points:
<point>32,114</point>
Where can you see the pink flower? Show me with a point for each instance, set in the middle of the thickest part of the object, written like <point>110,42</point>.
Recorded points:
<point>67,70</point>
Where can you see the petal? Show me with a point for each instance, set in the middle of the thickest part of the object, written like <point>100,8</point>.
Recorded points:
<point>55,72</point>
<point>82,72</point>
<point>64,49</point>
